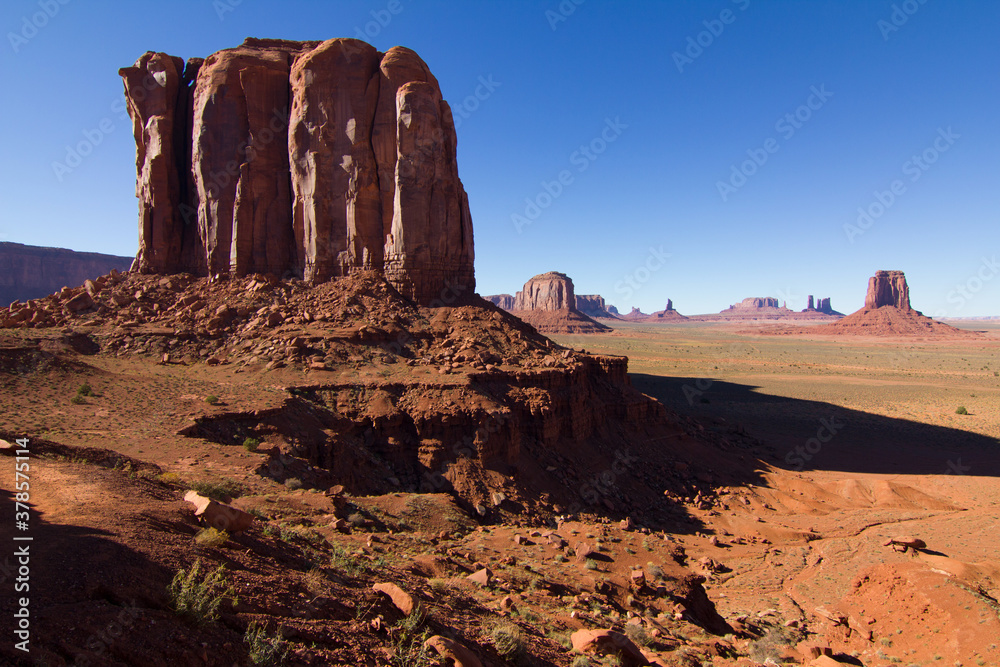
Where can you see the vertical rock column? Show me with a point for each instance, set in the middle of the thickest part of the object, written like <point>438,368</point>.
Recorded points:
<point>237,167</point>
<point>152,88</point>
<point>337,217</point>
<point>429,248</point>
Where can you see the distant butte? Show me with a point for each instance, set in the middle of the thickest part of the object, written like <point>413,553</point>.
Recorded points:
<point>887,312</point>
<point>548,303</point>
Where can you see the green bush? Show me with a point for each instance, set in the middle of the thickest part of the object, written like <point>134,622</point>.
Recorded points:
<point>77,400</point>
<point>210,537</point>
<point>221,490</point>
<point>196,595</point>
<point>211,399</point>
<point>507,639</point>
<point>961,410</point>
<point>85,390</point>
<point>293,483</point>
<point>263,649</point>
<point>251,444</point>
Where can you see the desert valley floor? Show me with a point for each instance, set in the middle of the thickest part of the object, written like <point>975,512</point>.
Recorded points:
<point>792,461</point>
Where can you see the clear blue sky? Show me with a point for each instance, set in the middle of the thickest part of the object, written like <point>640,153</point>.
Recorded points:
<point>673,129</point>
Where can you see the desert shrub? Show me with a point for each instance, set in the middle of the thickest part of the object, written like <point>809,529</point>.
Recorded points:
<point>196,594</point>
<point>293,483</point>
<point>345,562</point>
<point>211,399</point>
<point>581,661</point>
<point>251,444</point>
<point>85,390</point>
<point>961,410</point>
<point>77,399</point>
<point>356,519</point>
<point>439,586</point>
<point>264,650</point>
<point>638,634</point>
<point>654,571</point>
<point>221,490</point>
<point>507,639</point>
<point>210,537</point>
<point>169,477</point>
<point>769,646</point>
<point>408,637</point>
<point>590,564</point>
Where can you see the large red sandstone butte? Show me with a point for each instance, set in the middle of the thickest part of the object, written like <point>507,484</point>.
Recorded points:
<point>548,303</point>
<point>888,288</point>
<point>305,159</point>
<point>887,312</point>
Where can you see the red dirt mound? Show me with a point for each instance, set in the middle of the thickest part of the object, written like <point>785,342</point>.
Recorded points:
<point>563,321</point>
<point>890,321</point>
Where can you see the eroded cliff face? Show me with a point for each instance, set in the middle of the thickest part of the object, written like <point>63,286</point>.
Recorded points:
<point>546,291</point>
<point>307,159</point>
<point>31,272</point>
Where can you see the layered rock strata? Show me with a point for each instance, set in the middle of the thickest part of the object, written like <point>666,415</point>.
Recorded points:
<point>304,159</point>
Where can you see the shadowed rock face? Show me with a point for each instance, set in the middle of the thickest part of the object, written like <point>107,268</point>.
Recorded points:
<point>546,291</point>
<point>888,288</point>
<point>311,159</point>
<point>505,301</point>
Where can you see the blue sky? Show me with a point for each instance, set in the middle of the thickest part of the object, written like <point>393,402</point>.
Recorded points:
<point>708,151</point>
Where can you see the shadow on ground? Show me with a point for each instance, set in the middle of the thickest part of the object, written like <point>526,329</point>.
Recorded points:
<point>813,435</point>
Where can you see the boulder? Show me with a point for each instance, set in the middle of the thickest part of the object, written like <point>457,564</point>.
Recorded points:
<point>219,515</point>
<point>403,600</point>
<point>449,649</point>
<point>902,543</point>
<point>481,577</point>
<point>608,642</point>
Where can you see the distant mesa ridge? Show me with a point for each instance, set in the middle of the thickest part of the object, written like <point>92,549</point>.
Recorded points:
<point>305,159</point>
<point>31,272</point>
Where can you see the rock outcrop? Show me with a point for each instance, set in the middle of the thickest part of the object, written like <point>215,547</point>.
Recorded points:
<point>548,303</point>
<point>756,303</point>
<point>31,272</point>
<point>593,305</point>
<point>668,314</point>
<point>821,306</point>
<point>504,301</point>
<point>304,159</point>
<point>888,288</point>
